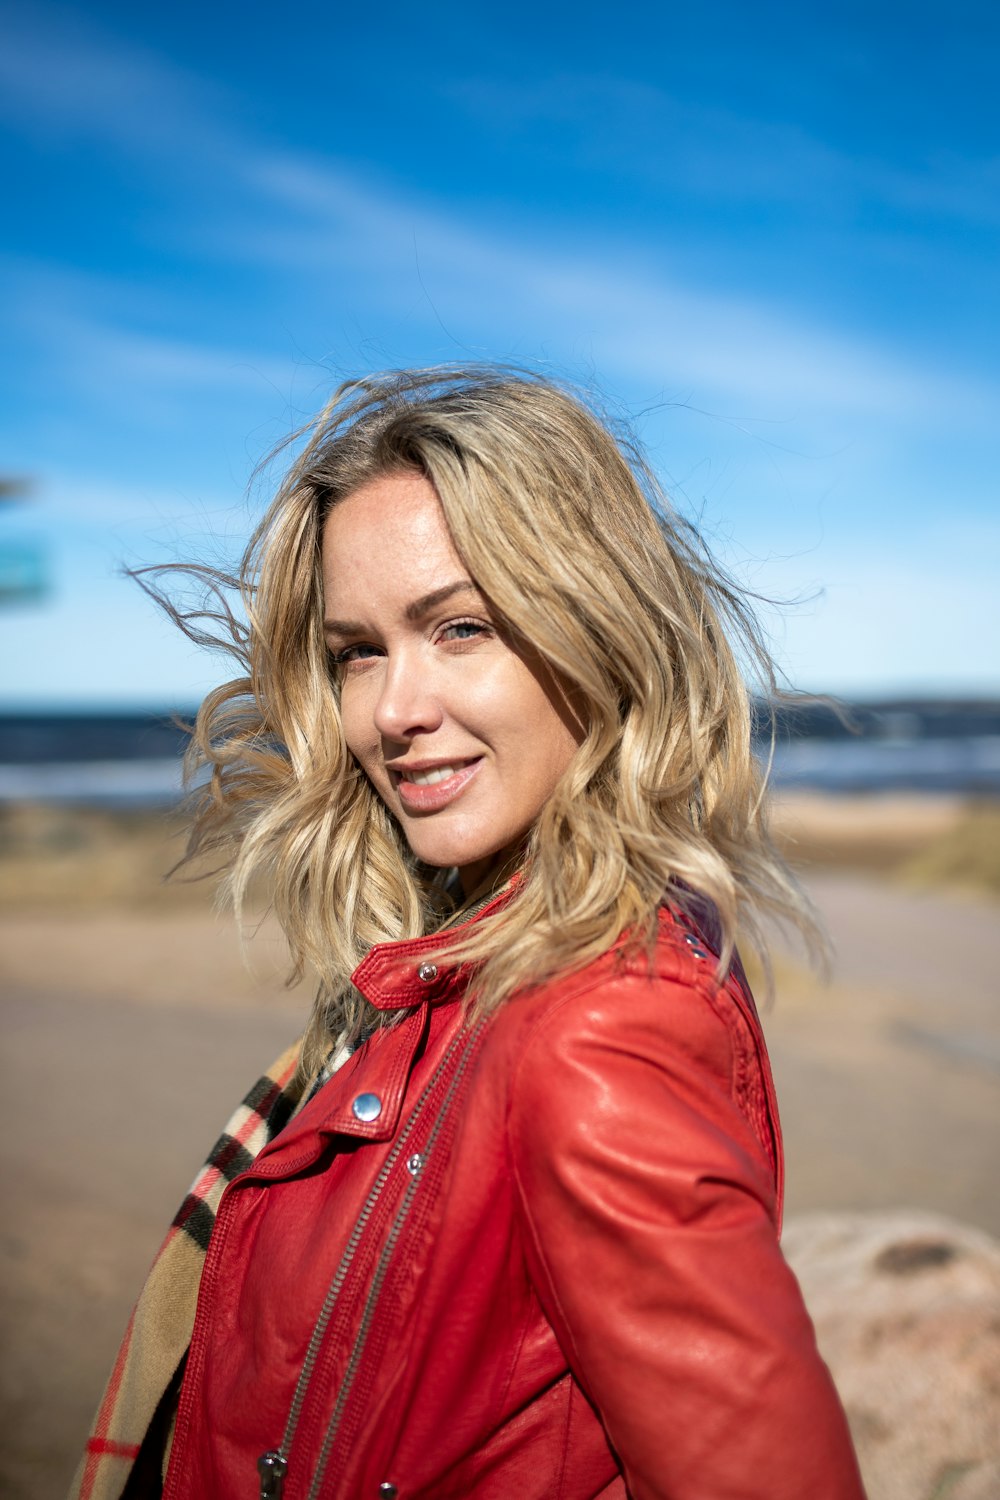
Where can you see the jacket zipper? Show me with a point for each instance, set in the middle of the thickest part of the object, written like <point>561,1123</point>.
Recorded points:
<point>272,1466</point>
<point>357,1353</point>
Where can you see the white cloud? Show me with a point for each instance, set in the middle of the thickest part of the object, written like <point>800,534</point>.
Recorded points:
<point>136,357</point>
<point>78,329</point>
<point>648,134</point>
<point>62,75</point>
<point>757,360</point>
<point>749,358</point>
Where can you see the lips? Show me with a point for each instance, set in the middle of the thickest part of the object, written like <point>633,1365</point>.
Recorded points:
<point>428,788</point>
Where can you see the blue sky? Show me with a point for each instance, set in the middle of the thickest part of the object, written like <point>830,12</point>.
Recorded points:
<point>769,236</point>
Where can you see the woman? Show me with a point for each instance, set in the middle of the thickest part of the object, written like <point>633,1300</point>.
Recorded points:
<point>506,1224</point>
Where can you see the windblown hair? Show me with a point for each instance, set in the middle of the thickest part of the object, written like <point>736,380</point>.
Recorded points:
<point>564,529</point>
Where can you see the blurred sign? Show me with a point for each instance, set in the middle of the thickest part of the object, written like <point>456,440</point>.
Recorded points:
<point>24,575</point>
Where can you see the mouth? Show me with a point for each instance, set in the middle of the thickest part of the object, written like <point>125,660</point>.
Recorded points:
<point>428,788</point>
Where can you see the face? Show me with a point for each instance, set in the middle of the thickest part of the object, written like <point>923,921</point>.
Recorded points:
<point>462,735</point>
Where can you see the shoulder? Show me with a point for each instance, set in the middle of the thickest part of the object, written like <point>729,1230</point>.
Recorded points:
<point>637,1044</point>
<point>661,1001</point>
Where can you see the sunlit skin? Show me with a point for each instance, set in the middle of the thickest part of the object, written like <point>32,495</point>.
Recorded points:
<point>462,735</point>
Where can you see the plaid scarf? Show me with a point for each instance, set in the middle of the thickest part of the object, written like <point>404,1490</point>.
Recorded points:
<point>129,1439</point>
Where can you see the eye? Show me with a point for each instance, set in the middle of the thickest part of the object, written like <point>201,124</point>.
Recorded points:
<point>463,630</point>
<point>354,656</point>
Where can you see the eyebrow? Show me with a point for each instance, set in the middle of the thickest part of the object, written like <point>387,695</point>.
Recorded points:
<point>413,611</point>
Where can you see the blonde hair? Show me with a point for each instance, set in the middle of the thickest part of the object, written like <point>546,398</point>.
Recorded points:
<point>564,529</point>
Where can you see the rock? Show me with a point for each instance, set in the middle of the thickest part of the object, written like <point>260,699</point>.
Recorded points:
<point>907,1313</point>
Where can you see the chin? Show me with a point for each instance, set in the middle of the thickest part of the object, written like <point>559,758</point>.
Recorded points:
<point>449,854</point>
<point>450,858</point>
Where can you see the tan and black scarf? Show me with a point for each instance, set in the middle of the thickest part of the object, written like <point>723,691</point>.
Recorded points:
<point>128,1440</point>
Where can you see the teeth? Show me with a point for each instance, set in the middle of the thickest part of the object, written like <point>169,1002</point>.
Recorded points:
<point>428,778</point>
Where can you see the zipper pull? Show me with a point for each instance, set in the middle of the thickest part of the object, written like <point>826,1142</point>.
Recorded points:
<point>272,1468</point>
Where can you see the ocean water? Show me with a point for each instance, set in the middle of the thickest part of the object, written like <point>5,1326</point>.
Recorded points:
<point>970,765</point>
<point>135,759</point>
<point>126,783</point>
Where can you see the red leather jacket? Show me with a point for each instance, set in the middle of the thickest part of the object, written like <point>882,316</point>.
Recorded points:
<point>533,1257</point>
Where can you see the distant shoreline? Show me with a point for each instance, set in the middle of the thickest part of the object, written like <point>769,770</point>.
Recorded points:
<point>931,746</point>
<point>965,767</point>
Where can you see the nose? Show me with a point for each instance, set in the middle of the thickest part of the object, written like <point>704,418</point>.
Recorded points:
<point>407,703</point>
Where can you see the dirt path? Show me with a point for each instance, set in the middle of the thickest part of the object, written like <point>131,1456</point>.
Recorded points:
<point>889,1081</point>
<point>943,948</point>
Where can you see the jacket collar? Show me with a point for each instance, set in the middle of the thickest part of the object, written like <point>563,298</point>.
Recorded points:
<point>364,1097</point>
<point>415,971</point>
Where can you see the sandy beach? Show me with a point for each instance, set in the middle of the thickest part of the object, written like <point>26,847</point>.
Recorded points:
<point>132,1026</point>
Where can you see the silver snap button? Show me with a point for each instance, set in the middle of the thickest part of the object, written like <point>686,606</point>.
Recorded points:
<point>388,1491</point>
<point>427,972</point>
<point>414,1163</point>
<point>367,1107</point>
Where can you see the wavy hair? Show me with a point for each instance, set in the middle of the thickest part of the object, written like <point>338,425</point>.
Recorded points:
<point>563,527</point>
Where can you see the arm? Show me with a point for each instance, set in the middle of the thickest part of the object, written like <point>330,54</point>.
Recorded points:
<point>650,1213</point>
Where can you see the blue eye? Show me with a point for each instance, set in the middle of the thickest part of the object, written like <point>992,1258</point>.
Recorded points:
<point>464,630</point>
<point>352,654</point>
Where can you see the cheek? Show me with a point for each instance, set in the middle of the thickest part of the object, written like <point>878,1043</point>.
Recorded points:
<point>555,731</point>
<point>501,702</point>
<point>556,745</point>
<point>532,727</point>
<point>358,724</point>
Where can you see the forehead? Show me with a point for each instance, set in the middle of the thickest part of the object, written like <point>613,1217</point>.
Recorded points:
<point>386,543</point>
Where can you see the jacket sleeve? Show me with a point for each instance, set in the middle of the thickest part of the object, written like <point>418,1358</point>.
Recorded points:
<point>652,1242</point>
